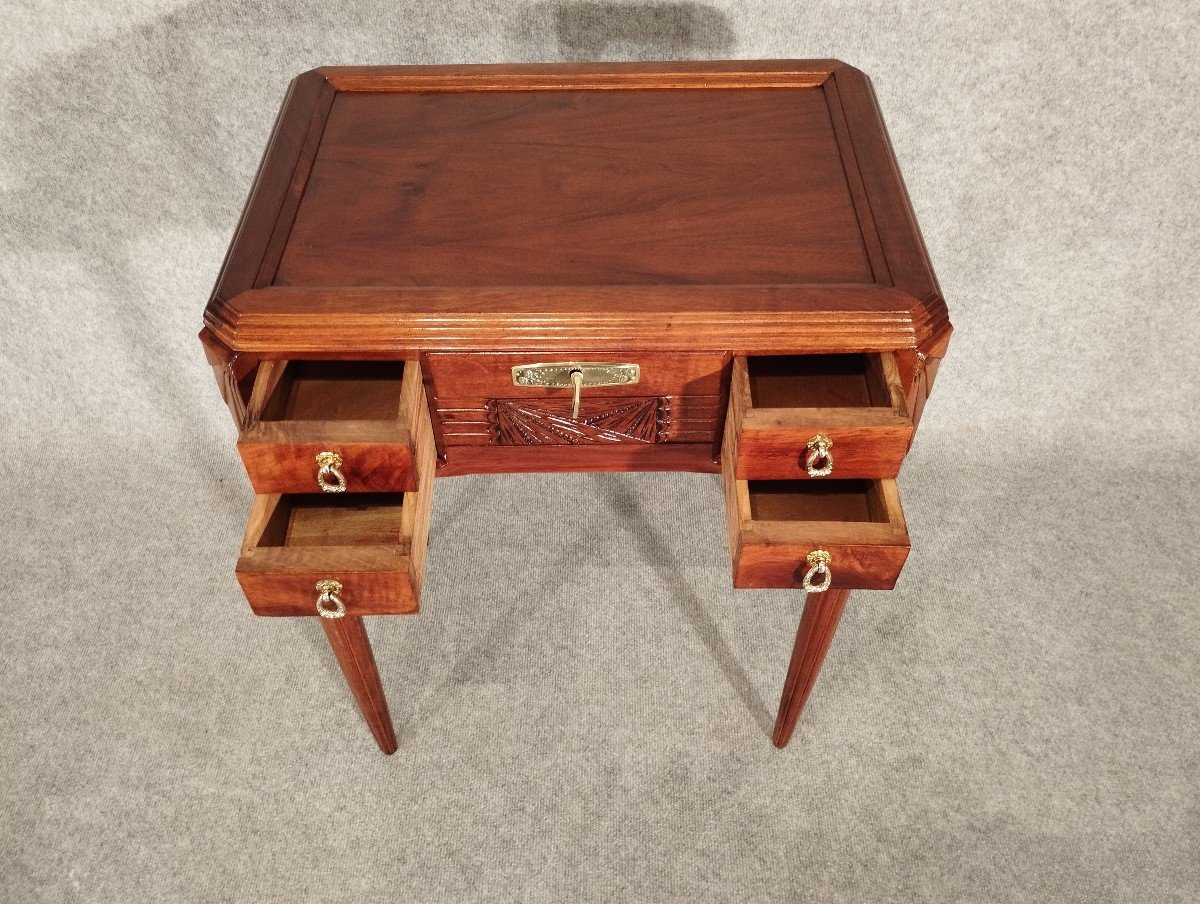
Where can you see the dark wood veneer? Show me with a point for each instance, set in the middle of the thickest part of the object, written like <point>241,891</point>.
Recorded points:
<point>394,197</point>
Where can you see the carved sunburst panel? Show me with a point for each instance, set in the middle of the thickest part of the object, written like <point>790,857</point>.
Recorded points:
<point>535,422</point>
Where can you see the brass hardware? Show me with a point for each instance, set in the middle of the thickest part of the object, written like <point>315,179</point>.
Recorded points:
<point>577,382</point>
<point>818,564</point>
<point>576,375</point>
<point>819,450</point>
<point>329,604</point>
<point>329,463</point>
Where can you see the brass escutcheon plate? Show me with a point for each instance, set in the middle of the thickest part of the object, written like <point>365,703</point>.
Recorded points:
<point>558,374</point>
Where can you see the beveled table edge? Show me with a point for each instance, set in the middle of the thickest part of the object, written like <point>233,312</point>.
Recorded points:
<point>740,320</point>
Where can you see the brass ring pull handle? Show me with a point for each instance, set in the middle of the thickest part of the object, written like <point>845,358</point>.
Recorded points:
<point>329,604</point>
<point>329,462</point>
<point>818,565</point>
<point>819,450</point>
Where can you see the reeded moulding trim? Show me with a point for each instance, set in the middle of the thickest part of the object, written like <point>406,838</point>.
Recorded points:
<point>717,75</point>
<point>345,323</point>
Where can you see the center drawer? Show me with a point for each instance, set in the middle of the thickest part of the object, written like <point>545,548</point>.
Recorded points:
<point>818,416</point>
<point>676,399</point>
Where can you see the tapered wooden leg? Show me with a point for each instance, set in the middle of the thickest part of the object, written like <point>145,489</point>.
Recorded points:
<point>822,612</point>
<point>348,637</point>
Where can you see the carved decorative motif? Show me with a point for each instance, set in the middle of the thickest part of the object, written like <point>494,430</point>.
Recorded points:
<point>536,422</point>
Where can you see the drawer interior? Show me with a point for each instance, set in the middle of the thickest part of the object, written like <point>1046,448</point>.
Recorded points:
<point>336,391</point>
<point>818,381</point>
<point>361,519</point>
<point>808,500</point>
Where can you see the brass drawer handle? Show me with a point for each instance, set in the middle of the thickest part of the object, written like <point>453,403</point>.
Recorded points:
<point>819,450</point>
<point>329,604</point>
<point>329,463</point>
<point>818,564</point>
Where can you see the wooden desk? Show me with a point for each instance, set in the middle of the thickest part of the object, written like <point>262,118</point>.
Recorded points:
<point>720,257</point>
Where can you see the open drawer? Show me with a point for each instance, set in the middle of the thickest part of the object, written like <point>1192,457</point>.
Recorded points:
<point>363,543</point>
<point>371,544</point>
<point>332,426</point>
<point>826,416</point>
<point>776,525</point>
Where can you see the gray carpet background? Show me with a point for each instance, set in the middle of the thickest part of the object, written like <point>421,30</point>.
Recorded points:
<point>586,718</point>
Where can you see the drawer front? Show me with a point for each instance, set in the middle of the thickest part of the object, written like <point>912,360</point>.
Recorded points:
<point>357,416</point>
<point>285,459</point>
<point>676,400</point>
<point>372,544</point>
<point>850,422</point>
<point>777,556</point>
<point>774,526</point>
<point>489,375</point>
<point>373,583</point>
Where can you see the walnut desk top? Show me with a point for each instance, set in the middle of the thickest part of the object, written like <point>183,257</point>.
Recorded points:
<point>716,263</point>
